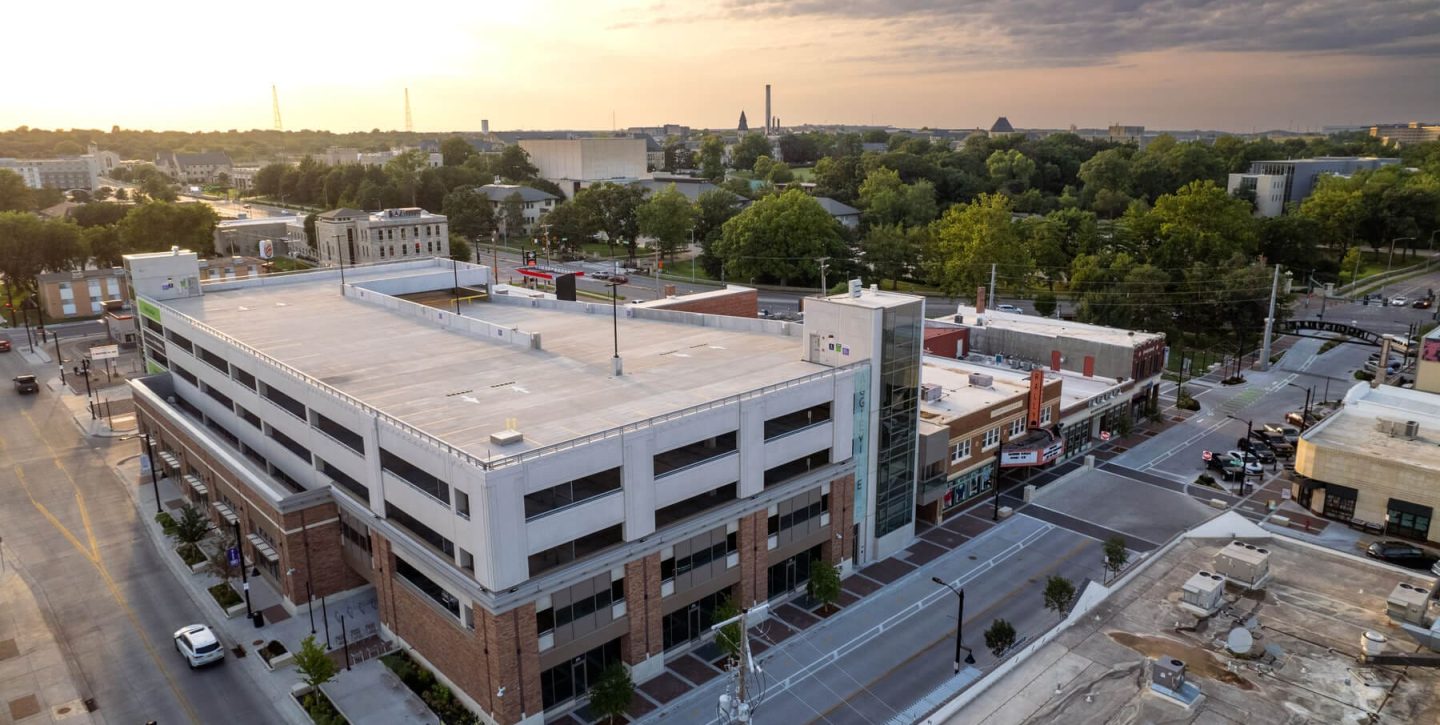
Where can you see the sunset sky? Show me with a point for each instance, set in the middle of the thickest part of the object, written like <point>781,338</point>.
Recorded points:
<point>1224,64</point>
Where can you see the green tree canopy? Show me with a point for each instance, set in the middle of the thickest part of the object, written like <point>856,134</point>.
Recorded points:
<point>614,207</point>
<point>156,226</point>
<point>892,251</point>
<point>751,146</point>
<point>14,195</point>
<point>888,200</point>
<point>779,238</point>
<point>470,213</point>
<point>666,217</point>
<point>970,238</point>
<point>1010,170</point>
<point>514,165</point>
<point>712,155</point>
<point>455,150</point>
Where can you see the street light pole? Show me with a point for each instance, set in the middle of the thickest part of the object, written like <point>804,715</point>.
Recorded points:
<point>244,573</point>
<point>615,325</point>
<point>1389,264</point>
<point>1244,452</point>
<point>969,658</point>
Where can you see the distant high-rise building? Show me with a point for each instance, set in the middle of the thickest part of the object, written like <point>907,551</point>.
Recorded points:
<point>1278,183</point>
<point>484,125</point>
<point>1127,134</point>
<point>1411,133</point>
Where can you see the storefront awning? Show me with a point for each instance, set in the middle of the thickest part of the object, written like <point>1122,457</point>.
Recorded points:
<point>198,485</point>
<point>169,459</point>
<point>226,513</point>
<point>263,547</point>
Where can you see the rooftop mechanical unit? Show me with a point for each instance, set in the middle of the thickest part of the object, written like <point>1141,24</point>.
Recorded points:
<point>1203,594</point>
<point>1243,564</point>
<point>1408,603</point>
<point>1169,673</point>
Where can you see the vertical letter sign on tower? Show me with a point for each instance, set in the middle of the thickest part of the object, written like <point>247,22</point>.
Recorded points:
<point>1037,396</point>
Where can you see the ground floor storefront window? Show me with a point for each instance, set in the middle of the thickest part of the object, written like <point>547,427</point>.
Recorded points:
<point>1077,439</point>
<point>968,485</point>
<point>1340,502</point>
<point>693,620</point>
<point>792,573</point>
<point>1407,520</point>
<point>569,680</point>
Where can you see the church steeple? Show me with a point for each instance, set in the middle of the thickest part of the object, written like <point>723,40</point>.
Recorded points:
<point>743,125</point>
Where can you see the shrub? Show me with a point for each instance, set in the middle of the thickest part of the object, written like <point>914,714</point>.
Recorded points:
<point>225,596</point>
<point>1362,375</point>
<point>190,554</point>
<point>167,523</point>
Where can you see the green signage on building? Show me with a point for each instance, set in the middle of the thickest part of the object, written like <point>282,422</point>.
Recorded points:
<point>148,309</point>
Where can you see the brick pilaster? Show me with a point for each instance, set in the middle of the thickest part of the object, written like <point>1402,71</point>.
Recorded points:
<point>842,519</point>
<point>754,573</point>
<point>642,610</point>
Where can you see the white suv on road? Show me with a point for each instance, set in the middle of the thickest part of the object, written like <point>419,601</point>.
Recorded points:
<point>198,645</point>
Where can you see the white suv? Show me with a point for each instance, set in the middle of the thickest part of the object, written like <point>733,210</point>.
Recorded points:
<point>198,645</point>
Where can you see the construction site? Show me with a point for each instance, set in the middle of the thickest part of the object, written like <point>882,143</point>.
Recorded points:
<point>1254,629</point>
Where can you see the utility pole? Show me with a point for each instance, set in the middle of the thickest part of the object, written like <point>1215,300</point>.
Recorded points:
<point>823,267</point>
<point>738,703</point>
<point>1269,322</point>
<point>991,303</point>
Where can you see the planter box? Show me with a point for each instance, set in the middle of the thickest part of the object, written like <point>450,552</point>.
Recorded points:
<point>197,566</point>
<point>277,661</point>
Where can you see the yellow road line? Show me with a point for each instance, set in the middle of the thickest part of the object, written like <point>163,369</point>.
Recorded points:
<point>93,555</point>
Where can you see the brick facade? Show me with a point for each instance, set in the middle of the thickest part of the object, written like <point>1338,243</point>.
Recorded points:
<point>642,610</point>
<point>331,574</point>
<point>754,559</point>
<point>732,303</point>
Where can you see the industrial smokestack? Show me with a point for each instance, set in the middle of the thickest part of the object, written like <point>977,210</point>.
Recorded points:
<point>768,126</point>
<point>484,125</point>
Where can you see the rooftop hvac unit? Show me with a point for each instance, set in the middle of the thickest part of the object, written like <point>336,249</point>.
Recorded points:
<point>1244,564</point>
<point>1169,673</point>
<point>1408,603</point>
<point>981,380</point>
<point>930,393</point>
<point>1203,594</point>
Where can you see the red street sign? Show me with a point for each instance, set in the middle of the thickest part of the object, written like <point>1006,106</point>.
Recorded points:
<point>1104,435</point>
<point>1208,455</point>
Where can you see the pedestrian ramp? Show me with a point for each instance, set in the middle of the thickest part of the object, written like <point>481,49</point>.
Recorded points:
<point>942,694</point>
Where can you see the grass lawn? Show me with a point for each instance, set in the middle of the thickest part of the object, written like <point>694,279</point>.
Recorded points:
<point>288,264</point>
<point>804,173</point>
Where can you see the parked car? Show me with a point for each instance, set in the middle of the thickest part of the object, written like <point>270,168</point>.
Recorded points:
<point>1276,442</point>
<point>25,384</point>
<point>4,344</point>
<point>1228,468</point>
<point>1252,466</point>
<point>1010,308</point>
<point>1399,301</point>
<point>1258,451</point>
<point>1401,553</point>
<point>1290,432</point>
<point>1424,303</point>
<point>198,645</point>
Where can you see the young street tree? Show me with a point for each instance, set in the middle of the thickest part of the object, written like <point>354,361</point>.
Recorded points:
<point>192,526</point>
<point>1059,594</point>
<point>1116,555</point>
<point>999,637</point>
<point>824,584</point>
<point>728,638</point>
<point>315,667</point>
<point>611,696</point>
<point>668,218</point>
<point>512,215</point>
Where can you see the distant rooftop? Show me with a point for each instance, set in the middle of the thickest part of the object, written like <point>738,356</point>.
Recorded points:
<point>1050,326</point>
<point>500,192</point>
<point>960,397</point>
<point>1353,428</point>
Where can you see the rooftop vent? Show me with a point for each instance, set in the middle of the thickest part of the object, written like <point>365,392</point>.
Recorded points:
<point>930,393</point>
<point>506,437</point>
<point>1408,603</point>
<point>981,380</point>
<point>1244,564</point>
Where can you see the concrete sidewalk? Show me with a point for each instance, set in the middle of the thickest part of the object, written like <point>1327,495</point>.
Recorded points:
<point>370,694</point>
<point>36,686</point>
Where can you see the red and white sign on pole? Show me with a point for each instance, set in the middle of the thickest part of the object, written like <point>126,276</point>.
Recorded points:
<point>1104,435</point>
<point>1207,455</point>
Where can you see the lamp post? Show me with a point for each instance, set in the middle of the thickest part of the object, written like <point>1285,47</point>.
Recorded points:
<point>244,574</point>
<point>1305,414</point>
<point>615,324</point>
<point>154,480</point>
<point>1389,264</point>
<point>1244,451</point>
<point>959,625</point>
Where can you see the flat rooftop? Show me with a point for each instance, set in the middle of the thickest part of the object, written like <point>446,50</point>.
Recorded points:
<point>1353,427</point>
<point>1306,624</point>
<point>1051,327</point>
<point>461,388</point>
<point>959,397</point>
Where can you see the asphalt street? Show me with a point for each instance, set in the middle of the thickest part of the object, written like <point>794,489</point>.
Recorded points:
<point>109,599</point>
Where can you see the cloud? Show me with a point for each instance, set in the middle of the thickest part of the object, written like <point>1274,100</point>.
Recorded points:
<point>1028,33</point>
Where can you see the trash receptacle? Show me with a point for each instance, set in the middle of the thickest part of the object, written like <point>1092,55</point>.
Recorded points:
<point>258,617</point>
